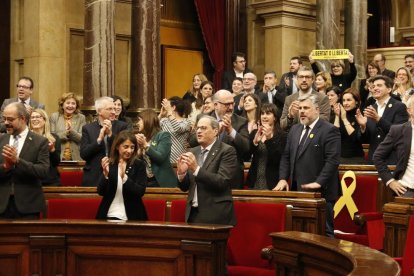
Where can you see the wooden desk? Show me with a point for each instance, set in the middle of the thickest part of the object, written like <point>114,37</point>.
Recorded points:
<point>297,253</point>
<point>396,218</point>
<point>74,247</point>
<point>308,209</point>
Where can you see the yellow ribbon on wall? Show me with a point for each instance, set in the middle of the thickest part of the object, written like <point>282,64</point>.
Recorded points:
<point>346,198</point>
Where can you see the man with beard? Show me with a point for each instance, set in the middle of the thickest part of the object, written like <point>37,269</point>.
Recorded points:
<point>23,163</point>
<point>311,157</point>
<point>288,84</point>
<point>305,78</point>
<point>97,139</point>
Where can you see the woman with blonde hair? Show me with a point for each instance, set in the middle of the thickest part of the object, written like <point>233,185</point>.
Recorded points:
<point>403,87</point>
<point>322,82</point>
<point>193,93</point>
<point>39,124</point>
<point>67,123</point>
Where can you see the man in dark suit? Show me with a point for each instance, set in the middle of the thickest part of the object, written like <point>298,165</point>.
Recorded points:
<point>398,142</point>
<point>24,162</point>
<point>239,69</point>
<point>380,59</point>
<point>25,87</point>
<point>378,118</point>
<point>97,139</point>
<point>288,80</point>
<point>311,157</point>
<point>207,172</point>
<point>270,93</point>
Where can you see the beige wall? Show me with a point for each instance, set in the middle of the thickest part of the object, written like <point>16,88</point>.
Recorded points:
<point>47,45</point>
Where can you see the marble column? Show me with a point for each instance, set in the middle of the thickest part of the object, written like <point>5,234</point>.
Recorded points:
<point>145,55</point>
<point>98,72</point>
<point>327,28</point>
<point>356,17</point>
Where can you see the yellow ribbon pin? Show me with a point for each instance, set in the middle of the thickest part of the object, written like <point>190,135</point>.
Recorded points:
<point>346,198</point>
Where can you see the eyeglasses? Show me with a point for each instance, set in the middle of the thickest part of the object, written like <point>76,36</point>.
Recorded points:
<point>36,117</point>
<point>304,77</point>
<point>249,79</point>
<point>227,104</point>
<point>23,86</point>
<point>8,119</point>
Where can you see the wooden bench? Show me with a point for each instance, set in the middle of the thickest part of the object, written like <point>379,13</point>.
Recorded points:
<point>296,253</point>
<point>308,209</point>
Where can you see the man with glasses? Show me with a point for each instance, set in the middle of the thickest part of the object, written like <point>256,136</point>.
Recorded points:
<point>232,131</point>
<point>305,78</point>
<point>23,163</point>
<point>25,87</point>
<point>380,59</point>
<point>97,139</point>
<point>239,70</point>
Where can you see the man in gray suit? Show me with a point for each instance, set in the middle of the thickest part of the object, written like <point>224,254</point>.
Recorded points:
<point>207,172</point>
<point>25,87</point>
<point>305,78</point>
<point>23,163</point>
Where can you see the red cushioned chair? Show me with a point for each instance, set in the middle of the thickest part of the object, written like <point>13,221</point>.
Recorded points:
<point>407,260</point>
<point>177,211</point>
<point>71,178</point>
<point>73,208</point>
<point>155,209</point>
<point>255,221</point>
<point>368,226</point>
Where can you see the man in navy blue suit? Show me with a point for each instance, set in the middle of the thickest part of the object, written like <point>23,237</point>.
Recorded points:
<point>311,157</point>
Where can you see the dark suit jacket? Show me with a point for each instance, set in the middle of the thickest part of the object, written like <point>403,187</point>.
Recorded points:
<point>53,177</point>
<point>324,109</point>
<point>228,77</point>
<point>213,182</point>
<point>398,143</point>
<point>241,143</point>
<point>275,147</point>
<point>33,166</point>
<point>395,113</point>
<point>318,160</point>
<point>132,191</point>
<point>92,152</point>
<point>388,73</point>
<point>278,100</point>
<point>159,152</point>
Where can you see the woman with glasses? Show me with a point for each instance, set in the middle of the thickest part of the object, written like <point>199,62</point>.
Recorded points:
<point>339,78</point>
<point>67,123</point>
<point>39,124</point>
<point>403,87</point>
<point>123,181</point>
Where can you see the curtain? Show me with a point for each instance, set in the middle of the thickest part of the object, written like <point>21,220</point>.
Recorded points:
<point>211,17</point>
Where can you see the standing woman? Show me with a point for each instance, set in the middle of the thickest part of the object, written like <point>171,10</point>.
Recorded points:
<point>371,71</point>
<point>206,89</point>
<point>322,82</point>
<point>351,146</point>
<point>333,95</point>
<point>39,124</point>
<point>174,113</point>
<point>120,111</point>
<point>192,94</point>
<point>123,181</point>
<point>67,123</point>
<point>155,149</point>
<point>402,85</point>
<point>267,145</point>
<point>251,111</point>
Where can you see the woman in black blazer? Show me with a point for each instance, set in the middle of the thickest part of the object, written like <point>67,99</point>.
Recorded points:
<point>123,181</point>
<point>267,145</point>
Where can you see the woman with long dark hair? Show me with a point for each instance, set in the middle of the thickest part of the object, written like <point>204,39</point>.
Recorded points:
<point>267,145</point>
<point>123,181</point>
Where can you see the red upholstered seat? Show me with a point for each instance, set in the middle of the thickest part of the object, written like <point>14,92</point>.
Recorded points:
<point>71,178</point>
<point>407,260</point>
<point>73,208</point>
<point>155,209</point>
<point>255,221</point>
<point>371,232</point>
<point>177,213</point>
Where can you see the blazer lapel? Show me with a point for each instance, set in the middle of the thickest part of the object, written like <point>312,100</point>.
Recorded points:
<point>212,154</point>
<point>388,108</point>
<point>312,133</point>
<point>26,144</point>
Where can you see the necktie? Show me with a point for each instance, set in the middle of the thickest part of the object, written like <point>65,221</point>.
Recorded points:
<point>200,162</point>
<point>16,143</point>
<point>304,138</point>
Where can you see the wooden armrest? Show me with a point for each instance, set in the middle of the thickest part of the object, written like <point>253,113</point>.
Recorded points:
<point>361,218</point>
<point>267,253</point>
